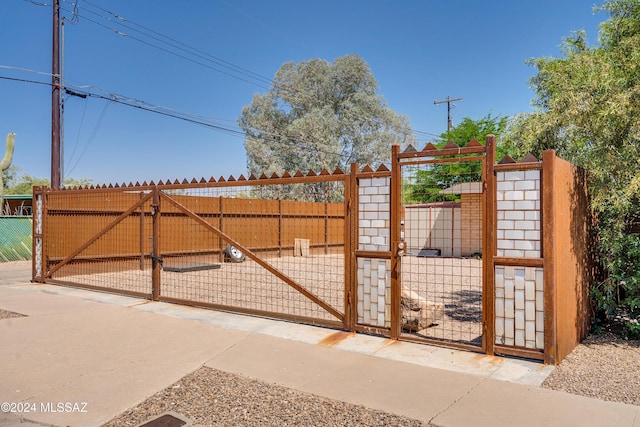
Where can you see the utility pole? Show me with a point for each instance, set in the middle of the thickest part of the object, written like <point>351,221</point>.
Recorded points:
<point>448,101</point>
<point>55,98</point>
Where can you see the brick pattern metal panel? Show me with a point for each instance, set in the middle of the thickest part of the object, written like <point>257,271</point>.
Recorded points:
<point>519,306</point>
<point>374,214</point>
<point>374,275</point>
<point>518,214</point>
<point>374,292</point>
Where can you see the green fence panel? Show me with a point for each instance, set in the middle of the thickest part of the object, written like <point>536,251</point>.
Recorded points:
<point>15,238</point>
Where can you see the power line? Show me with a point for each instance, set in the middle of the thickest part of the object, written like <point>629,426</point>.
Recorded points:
<point>15,79</point>
<point>37,3</point>
<point>211,123</point>
<point>178,49</point>
<point>185,51</point>
<point>91,138</point>
<point>75,145</point>
<point>221,61</point>
<point>119,99</point>
<point>187,117</point>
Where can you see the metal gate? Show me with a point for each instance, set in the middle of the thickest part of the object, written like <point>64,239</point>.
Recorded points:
<point>96,239</point>
<point>447,247</point>
<point>441,245</point>
<point>273,247</point>
<point>269,257</point>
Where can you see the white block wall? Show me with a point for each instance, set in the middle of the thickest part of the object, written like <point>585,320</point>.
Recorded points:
<point>519,214</point>
<point>433,227</point>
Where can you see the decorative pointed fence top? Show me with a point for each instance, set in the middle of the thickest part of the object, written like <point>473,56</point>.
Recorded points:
<point>286,176</point>
<point>450,148</point>
<point>529,158</point>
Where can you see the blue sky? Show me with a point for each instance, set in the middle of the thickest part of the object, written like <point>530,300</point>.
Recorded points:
<point>419,51</point>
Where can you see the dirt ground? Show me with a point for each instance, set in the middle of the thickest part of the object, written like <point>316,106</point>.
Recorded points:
<point>454,283</point>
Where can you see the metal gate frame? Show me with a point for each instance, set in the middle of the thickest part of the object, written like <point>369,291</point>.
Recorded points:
<point>561,204</point>
<point>156,193</point>
<point>40,261</point>
<point>485,154</point>
<point>156,257</point>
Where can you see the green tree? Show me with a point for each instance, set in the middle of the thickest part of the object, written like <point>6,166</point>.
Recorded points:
<point>18,182</point>
<point>427,183</point>
<point>9,177</point>
<point>320,115</point>
<point>588,110</point>
<point>469,129</point>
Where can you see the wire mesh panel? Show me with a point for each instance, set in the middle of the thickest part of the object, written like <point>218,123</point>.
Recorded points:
<point>269,246</point>
<point>275,250</point>
<point>99,239</point>
<point>441,270</point>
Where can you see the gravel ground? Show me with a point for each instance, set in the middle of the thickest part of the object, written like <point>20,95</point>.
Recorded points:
<point>454,283</point>
<point>246,285</point>
<point>603,366</point>
<point>211,397</point>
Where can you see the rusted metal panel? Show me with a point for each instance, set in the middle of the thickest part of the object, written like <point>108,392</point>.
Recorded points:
<point>519,352</point>
<point>349,235</point>
<point>489,246</point>
<point>397,242</point>
<point>100,237</point>
<point>548,253</point>
<point>257,225</point>
<point>571,255</point>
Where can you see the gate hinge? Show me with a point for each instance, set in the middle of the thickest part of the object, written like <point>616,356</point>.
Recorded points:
<point>156,258</point>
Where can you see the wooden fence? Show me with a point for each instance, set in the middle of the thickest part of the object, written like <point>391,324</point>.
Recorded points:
<point>262,225</point>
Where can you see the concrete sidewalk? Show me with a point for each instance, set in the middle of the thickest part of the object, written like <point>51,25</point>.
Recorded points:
<point>112,352</point>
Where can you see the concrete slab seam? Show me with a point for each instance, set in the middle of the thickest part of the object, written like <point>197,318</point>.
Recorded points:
<point>226,349</point>
<point>431,421</point>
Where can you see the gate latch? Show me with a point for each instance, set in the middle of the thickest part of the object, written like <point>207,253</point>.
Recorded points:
<point>401,249</point>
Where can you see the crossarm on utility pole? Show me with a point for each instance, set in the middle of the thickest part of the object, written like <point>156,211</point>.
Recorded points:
<point>448,101</point>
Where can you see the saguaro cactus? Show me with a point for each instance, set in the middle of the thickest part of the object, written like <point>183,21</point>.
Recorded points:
<point>4,165</point>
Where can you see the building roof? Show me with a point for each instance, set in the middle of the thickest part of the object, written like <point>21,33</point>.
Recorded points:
<point>17,196</point>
